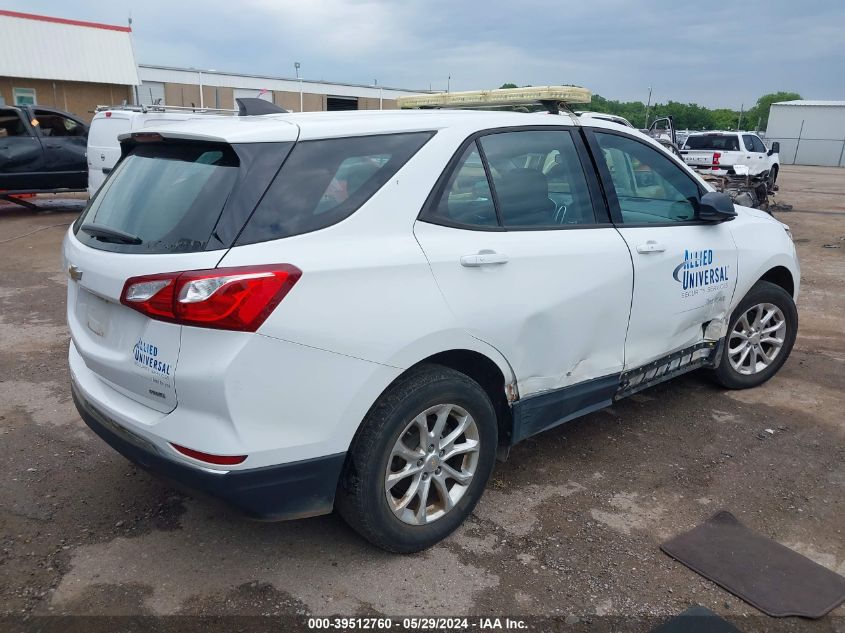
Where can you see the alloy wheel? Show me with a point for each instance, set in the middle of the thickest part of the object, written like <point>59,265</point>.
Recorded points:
<point>757,338</point>
<point>432,464</point>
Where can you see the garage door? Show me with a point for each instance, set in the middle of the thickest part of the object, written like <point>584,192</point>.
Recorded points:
<point>341,103</point>
<point>151,93</point>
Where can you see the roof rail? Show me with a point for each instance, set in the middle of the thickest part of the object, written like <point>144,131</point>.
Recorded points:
<point>553,98</point>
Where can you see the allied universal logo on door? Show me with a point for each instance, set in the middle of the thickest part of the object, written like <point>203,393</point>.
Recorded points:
<point>700,271</point>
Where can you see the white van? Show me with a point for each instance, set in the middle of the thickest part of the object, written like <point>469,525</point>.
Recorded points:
<point>110,122</point>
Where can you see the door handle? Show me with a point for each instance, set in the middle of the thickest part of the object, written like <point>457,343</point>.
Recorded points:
<point>484,258</point>
<point>651,247</point>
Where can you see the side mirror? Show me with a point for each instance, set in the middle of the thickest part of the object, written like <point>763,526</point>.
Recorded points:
<point>715,207</point>
<point>775,148</point>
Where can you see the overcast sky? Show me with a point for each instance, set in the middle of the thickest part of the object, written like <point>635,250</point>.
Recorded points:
<point>711,53</point>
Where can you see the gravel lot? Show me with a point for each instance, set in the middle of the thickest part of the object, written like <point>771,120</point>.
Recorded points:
<point>570,525</point>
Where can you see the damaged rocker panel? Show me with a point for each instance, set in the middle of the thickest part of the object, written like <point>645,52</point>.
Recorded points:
<point>544,411</point>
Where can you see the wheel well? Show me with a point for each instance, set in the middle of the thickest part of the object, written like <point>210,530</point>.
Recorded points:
<point>780,276</point>
<point>487,374</point>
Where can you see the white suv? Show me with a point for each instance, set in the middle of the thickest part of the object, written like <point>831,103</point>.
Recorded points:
<point>718,153</point>
<point>362,310</point>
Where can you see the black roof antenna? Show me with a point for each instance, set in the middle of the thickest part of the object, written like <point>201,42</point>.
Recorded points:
<point>252,106</point>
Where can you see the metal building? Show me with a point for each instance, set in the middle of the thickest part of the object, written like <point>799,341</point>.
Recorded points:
<point>809,132</point>
<point>75,66</point>
<point>216,89</point>
<point>65,64</point>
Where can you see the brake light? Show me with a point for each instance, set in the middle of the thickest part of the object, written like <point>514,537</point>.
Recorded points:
<point>147,137</point>
<point>716,157</point>
<point>239,298</point>
<point>219,460</point>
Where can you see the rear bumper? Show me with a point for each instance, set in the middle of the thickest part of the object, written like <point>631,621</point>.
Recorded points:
<point>288,491</point>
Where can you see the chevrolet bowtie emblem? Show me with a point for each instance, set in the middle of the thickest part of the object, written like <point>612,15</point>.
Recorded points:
<point>74,273</point>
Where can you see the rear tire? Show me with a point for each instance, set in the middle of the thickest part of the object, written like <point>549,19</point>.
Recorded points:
<point>393,464</point>
<point>761,333</point>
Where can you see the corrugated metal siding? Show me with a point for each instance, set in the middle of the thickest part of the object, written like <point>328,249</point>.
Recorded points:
<point>48,50</point>
<point>808,134</point>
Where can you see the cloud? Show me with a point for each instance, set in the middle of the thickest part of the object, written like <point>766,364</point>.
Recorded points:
<point>721,54</point>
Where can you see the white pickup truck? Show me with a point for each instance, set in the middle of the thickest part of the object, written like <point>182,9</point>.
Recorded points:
<point>718,152</point>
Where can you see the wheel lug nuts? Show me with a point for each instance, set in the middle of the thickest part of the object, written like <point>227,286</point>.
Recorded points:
<point>419,462</point>
<point>425,476</point>
<point>437,471</point>
<point>442,453</point>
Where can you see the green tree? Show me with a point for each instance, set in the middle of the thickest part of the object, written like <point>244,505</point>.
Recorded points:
<point>757,117</point>
<point>724,119</point>
<point>508,85</point>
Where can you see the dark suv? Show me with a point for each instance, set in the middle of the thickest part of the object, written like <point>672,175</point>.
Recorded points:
<point>41,149</point>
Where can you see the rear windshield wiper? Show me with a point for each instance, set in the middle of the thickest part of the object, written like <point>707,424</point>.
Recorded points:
<point>107,234</point>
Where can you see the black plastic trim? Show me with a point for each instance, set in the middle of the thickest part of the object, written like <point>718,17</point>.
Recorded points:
<point>273,493</point>
<point>544,411</point>
<point>627,387</point>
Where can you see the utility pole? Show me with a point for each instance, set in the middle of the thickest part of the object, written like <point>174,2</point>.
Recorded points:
<point>296,66</point>
<point>739,122</point>
<point>647,108</point>
<point>448,83</point>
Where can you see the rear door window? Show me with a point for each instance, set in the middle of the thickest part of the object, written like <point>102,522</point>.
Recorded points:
<point>11,124</point>
<point>325,181</point>
<point>162,198</point>
<point>538,179</point>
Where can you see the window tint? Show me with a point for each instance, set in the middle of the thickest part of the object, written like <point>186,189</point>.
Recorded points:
<point>11,124</point>
<point>466,198</point>
<point>57,125</point>
<point>758,145</point>
<point>325,181</point>
<point>724,142</point>
<point>168,196</point>
<point>650,187</point>
<point>749,142</point>
<point>538,179</point>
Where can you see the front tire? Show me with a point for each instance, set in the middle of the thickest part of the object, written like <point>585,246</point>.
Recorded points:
<point>420,461</point>
<point>760,337</point>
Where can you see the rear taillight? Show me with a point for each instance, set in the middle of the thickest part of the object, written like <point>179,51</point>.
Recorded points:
<point>239,298</point>
<point>716,157</point>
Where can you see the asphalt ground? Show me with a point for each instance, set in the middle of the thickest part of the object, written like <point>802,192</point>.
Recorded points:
<point>569,526</point>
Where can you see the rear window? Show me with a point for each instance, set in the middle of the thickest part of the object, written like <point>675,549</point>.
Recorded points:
<point>105,130</point>
<point>161,198</point>
<point>714,142</point>
<point>325,181</point>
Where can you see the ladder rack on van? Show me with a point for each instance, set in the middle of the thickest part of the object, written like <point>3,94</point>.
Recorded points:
<point>247,106</point>
<point>163,108</point>
<point>553,98</point>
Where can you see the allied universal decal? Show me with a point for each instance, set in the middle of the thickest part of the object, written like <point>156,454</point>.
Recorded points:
<point>146,356</point>
<point>699,270</point>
